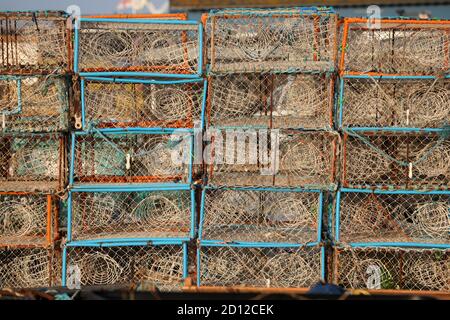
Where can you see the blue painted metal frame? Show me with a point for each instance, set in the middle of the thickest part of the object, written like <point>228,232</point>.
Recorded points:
<point>312,10</point>
<point>132,73</point>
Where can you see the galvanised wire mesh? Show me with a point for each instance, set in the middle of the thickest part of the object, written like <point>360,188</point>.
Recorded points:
<point>392,268</point>
<point>270,100</point>
<point>27,219</point>
<point>34,103</point>
<point>384,102</point>
<point>396,159</point>
<point>394,217</point>
<point>160,266</point>
<point>395,46</point>
<point>146,214</point>
<point>283,267</point>
<point>137,45</point>
<point>284,158</point>
<point>126,156</point>
<point>140,103</point>
<point>29,267</point>
<point>35,42</point>
<point>32,162</point>
<point>252,215</point>
<point>259,40</point>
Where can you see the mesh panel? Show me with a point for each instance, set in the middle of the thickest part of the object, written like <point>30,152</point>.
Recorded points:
<point>259,267</point>
<point>392,268</point>
<point>415,218</point>
<point>161,266</point>
<point>405,160</point>
<point>29,268</point>
<point>34,103</point>
<point>405,48</point>
<point>130,157</point>
<point>162,48</point>
<point>266,216</point>
<point>155,214</point>
<point>400,103</point>
<point>112,104</point>
<point>269,100</point>
<point>243,40</point>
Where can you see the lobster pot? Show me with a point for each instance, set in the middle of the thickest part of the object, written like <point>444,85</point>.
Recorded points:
<point>132,214</point>
<point>279,267</point>
<point>27,219</point>
<point>281,158</point>
<point>261,40</point>
<point>252,100</point>
<point>395,46</point>
<point>32,162</point>
<point>261,215</point>
<point>34,103</point>
<point>161,266</point>
<point>395,102</point>
<point>139,45</point>
<point>394,217</point>
<point>392,268</point>
<point>401,160</point>
<point>142,103</point>
<point>29,267</point>
<point>131,156</point>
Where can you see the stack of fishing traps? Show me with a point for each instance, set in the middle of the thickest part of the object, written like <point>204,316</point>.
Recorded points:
<point>35,55</point>
<point>270,150</point>
<point>131,202</point>
<point>392,222</point>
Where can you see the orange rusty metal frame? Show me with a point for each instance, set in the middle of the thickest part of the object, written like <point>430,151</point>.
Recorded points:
<point>179,16</point>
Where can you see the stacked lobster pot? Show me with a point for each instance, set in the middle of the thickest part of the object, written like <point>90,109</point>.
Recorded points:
<point>35,68</point>
<point>131,203</point>
<point>270,150</point>
<point>392,222</point>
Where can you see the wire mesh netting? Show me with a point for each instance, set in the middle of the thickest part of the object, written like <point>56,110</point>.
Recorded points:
<point>252,40</point>
<point>150,214</point>
<point>31,267</point>
<point>369,217</point>
<point>34,42</point>
<point>260,216</point>
<point>153,47</point>
<point>275,158</point>
<point>34,103</point>
<point>392,268</point>
<point>406,160</point>
<point>160,266</point>
<point>33,162</point>
<point>259,267</point>
<point>414,47</point>
<point>377,102</point>
<point>115,104</point>
<point>270,100</point>
<point>132,157</point>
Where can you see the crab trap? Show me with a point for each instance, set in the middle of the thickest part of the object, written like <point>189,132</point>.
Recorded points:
<point>34,103</point>
<point>29,267</point>
<point>133,155</point>
<point>112,102</point>
<point>261,40</point>
<point>409,218</point>
<point>280,158</point>
<point>252,100</point>
<point>138,47</point>
<point>395,46</point>
<point>410,159</point>
<point>261,215</point>
<point>269,265</point>
<point>32,162</point>
<point>131,212</point>
<point>161,265</point>
<point>392,268</point>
